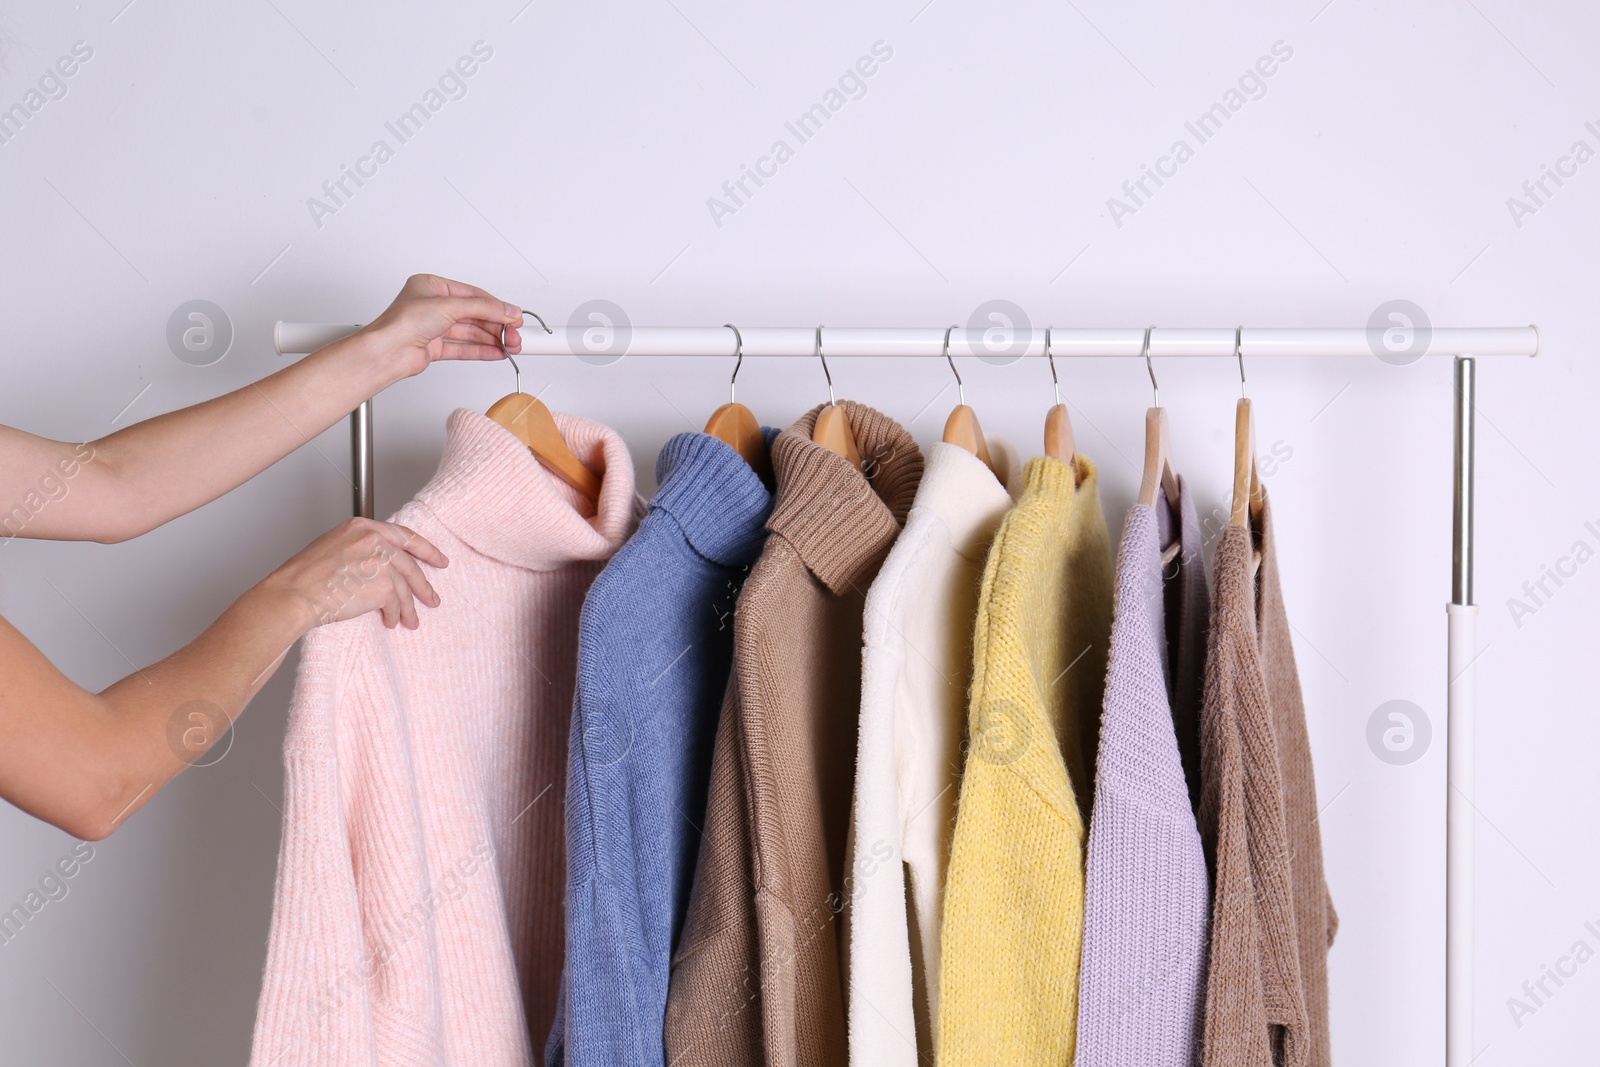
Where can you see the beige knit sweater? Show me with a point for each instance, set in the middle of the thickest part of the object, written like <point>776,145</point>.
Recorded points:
<point>757,977</point>
<point>1272,920</point>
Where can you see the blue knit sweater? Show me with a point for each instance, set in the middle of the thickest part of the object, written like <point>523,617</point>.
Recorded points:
<point>655,643</point>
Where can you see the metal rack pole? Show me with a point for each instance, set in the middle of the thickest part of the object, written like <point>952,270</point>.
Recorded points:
<point>1461,703</point>
<point>361,454</point>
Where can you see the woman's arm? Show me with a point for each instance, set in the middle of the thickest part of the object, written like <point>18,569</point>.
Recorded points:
<point>85,761</point>
<point>137,478</point>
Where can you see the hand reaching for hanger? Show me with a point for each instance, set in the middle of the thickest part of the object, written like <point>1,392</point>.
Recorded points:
<point>141,476</point>
<point>437,318</point>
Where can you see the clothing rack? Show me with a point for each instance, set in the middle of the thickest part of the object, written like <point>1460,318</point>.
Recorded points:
<point>1002,346</point>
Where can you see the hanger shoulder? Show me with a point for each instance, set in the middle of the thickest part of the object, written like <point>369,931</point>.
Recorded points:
<point>531,422</point>
<point>1159,472</point>
<point>1058,441</point>
<point>962,429</point>
<point>1248,499</point>
<point>833,432</point>
<point>1246,481</point>
<point>736,425</point>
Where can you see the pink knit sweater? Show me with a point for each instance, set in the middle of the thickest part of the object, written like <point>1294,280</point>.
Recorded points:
<point>418,910</point>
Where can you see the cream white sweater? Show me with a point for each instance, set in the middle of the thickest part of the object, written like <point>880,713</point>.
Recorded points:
<point>915,670</point>
<point>418,910</point>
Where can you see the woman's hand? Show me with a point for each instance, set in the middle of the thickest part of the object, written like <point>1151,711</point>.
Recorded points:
<point>86,761</point>
<point>361,565</point>
<point>437,318</point>
<point>143,475</point>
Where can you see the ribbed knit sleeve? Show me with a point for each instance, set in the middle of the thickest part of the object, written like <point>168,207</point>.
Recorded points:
<point>1147,893</point>
<point>315,1004</point>
<point>1013,920</point>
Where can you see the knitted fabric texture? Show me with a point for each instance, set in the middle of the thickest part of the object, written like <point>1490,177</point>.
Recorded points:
<point>1147,895</point>
<point>1271,918</point>
<point>1013,918</point>
<point>655,642</point>
<point>417,917</point>
<point>916,667</point>
<point>757,975</point>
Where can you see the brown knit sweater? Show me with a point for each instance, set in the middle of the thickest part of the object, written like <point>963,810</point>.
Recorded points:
<point>757,977</point>
<point>1272,921</point>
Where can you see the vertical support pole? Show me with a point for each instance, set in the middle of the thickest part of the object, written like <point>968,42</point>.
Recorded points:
<point>1461,704</point>
<point>361,459</point>
<point>1461,555</point>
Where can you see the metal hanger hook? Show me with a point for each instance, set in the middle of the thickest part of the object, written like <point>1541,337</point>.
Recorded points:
<point>825,373</point>
<point>506,352</point>
<point>961,389</point>
<point>738,350</point>
<point>1238,351</point>
<point>1156,388</point>
<point>1050,357</point>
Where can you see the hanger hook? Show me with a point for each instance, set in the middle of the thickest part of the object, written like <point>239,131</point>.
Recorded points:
<point>1150,366</point>
<point>961,389</point>
<point>1055,382</point>
<point>1238,350</point>
<point>738,350</point>
<point>505,352</point>
<point>825,374</point>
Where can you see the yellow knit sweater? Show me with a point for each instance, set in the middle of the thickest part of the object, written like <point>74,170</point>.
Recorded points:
<point>1013,919</point>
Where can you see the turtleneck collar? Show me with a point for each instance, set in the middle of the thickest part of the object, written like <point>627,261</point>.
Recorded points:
<point>715,497</point>
<point>839,521</point>
<point>492,493</point>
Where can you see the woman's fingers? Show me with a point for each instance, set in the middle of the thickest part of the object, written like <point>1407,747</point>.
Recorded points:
<point>410,573</point>
<point>473,330</point>
<point>441,318</point>
<point>388,609</point>
<point>405,604</point>
<point>462,350</point>
<point>487,308</point>
<point>451,287</point>
<point>360,566</point>
<point>414,543</point>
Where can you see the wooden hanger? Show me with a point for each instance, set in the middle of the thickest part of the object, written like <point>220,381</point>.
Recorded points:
<point>832,430</point>
<point>736,424</point>
<point>1248,499</point>
<point>961,428</point>
<point>1159,472</point>
<point>532,424</point>
<point>1058,442</point>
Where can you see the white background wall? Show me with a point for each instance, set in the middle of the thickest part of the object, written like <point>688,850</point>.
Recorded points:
<point>1376,164</point>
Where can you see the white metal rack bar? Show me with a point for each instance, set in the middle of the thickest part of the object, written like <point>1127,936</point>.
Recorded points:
<point>997,344</point>
<point>1002,345</point>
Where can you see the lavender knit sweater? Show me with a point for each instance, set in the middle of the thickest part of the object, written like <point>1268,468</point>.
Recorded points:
<point>1147,896</point>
